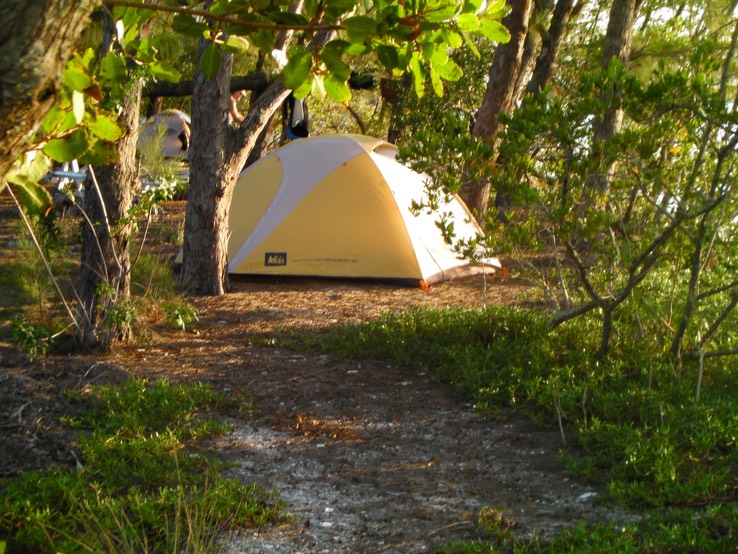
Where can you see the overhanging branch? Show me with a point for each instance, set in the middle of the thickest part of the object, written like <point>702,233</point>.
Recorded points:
<point>253,81</point>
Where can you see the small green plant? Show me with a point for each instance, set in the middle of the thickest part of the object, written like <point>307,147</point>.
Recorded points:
<point>144,486</point>
<point>180,314</point>
<point>120,317</point>
<point>35,340</point>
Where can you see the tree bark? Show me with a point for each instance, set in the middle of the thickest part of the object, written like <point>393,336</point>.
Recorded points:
<point>551,46</point>
<point>105,245</point>
<point>35,41</point>
<point>498,98</point>
<point>217,154</point>
<point>618,41</point>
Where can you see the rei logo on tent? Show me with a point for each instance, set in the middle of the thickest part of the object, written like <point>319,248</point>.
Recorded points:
<point>275,258</point>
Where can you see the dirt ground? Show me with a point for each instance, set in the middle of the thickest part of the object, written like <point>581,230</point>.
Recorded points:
<point>369,457</point>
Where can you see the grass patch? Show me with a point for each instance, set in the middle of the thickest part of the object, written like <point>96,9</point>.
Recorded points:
<point>645,435</point>
<point>144,485</point>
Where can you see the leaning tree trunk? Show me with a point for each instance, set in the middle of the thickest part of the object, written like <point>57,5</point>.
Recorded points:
<point>618,42</point>
<point>106,265</point>
<point>35,41</point>
<point>551,46</point>
<point>498,98</point>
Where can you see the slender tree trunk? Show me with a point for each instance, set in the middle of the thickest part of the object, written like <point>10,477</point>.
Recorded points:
<point>35,41</point>
<point>551,46</point>
<point>618,42</point>
<point>498,98</point>
<point>105,273</point>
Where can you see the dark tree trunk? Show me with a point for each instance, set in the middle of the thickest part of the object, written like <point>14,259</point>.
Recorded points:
<point>106,265</point>
<point>498,98</point>
<point>618,42</point>
<point>551,46</point>
<point>35,41</point>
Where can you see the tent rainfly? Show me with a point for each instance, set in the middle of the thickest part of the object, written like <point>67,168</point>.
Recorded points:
<point>340,206</point>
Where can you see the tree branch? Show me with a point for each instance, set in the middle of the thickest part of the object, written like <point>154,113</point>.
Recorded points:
<point>253,81</point>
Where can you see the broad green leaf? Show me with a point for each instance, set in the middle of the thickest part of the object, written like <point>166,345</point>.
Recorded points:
<point>29,169</point>
<point>443,12</point>
<point>113,68</point>
<point>493,30</point>
<point>454,39</point>
<point>298,66</point>
<point>101,152</point>
<point>418,75</point>
<point>25,176</point>
<point>105,128</point>
<point>188,26</point>
<point>74,79</point>
<point>337,89</point>
<point>439,57</point>
<point>468,22</point>
<point>34,198</point>
<point>389,56</point>
<point>237,43</point>
<point>68,148</point>
<point>78,106</point>
<point>58,120</point>
<point>210,61</point>
<point>449,71</point>
<point>335,65</point>
<point>429,49</point>
<point>162,71</point>
<point>497,9</point>
<point>304,90</point>
<point>357,49</point>
<point>360,24</point>
<point>436,82</point>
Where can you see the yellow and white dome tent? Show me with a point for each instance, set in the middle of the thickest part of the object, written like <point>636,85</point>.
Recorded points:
<point>339,206</point>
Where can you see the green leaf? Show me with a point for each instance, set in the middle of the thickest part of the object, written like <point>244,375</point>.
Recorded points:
<point>236,43</point>
<point>25,175</point>
<point>187,25</point>
<point>304,89</point>
<point>298,66</point>
<point>105,128</point>
<point>443,12</point>
<point>68,148</point>
<point>448,71</point>
<point>453,39</point>
<point>34,198</point>
<point>78,106</point>
<point>389,56</point>
<point>493,30</point>
<point>360,24</point>
<point>100,152</point>
<point>74,79</point>
<point>335,64</point>
<point>337,89</point>
<point>497,9</point>
<point>418,75</point>
<point>113,68</point>
<point>468,22</point>
<point>162,71</point>
<point>210,61</point>
<point>436,82</point>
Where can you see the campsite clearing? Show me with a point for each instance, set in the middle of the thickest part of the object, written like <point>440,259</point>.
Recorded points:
<point>369,457</point>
